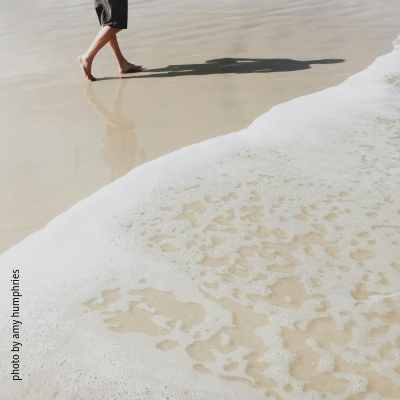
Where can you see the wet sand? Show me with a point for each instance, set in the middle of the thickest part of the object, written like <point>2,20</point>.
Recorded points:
<point>63,139</point>
<point>261,264</point>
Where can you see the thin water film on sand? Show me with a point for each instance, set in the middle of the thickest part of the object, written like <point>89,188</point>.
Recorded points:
<point>262,264</point>
<point>300,250</point>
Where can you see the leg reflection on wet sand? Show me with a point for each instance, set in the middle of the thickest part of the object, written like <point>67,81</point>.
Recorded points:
<point>121,150</point>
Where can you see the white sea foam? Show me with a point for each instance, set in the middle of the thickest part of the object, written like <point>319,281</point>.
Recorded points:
<point>264,263</point>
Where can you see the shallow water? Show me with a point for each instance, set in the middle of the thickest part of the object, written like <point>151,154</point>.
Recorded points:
<point>260,264</point>
<point>57,149</point>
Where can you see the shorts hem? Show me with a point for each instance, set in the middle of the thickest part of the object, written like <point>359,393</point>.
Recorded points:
<point>115,26</point>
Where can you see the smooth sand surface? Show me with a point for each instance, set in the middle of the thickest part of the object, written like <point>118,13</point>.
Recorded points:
<point>63,139</point>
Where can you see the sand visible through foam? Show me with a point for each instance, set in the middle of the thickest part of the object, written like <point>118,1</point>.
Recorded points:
<point>57,148</point>
<point>267,267</point>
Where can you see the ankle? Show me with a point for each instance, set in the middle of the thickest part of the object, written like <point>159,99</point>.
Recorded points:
<point>88,58</point>
<point>123,62</point>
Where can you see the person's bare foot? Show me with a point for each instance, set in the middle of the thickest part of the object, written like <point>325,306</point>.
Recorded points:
<point>86,68</point>
<point>128,68</point>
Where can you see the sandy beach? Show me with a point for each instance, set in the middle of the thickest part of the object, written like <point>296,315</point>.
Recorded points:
<point>62,141</point>
<point>223,225</point>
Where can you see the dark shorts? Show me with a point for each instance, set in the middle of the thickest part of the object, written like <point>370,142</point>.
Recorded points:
<point>113,13</point>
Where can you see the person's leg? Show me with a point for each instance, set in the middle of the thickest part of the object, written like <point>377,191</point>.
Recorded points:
<point>85,60</point>
<point>124,65</point>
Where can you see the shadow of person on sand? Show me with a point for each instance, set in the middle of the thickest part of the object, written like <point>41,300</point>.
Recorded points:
<point>231,66</point>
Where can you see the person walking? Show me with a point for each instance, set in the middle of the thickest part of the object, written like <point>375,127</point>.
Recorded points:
<point>113,17</point>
